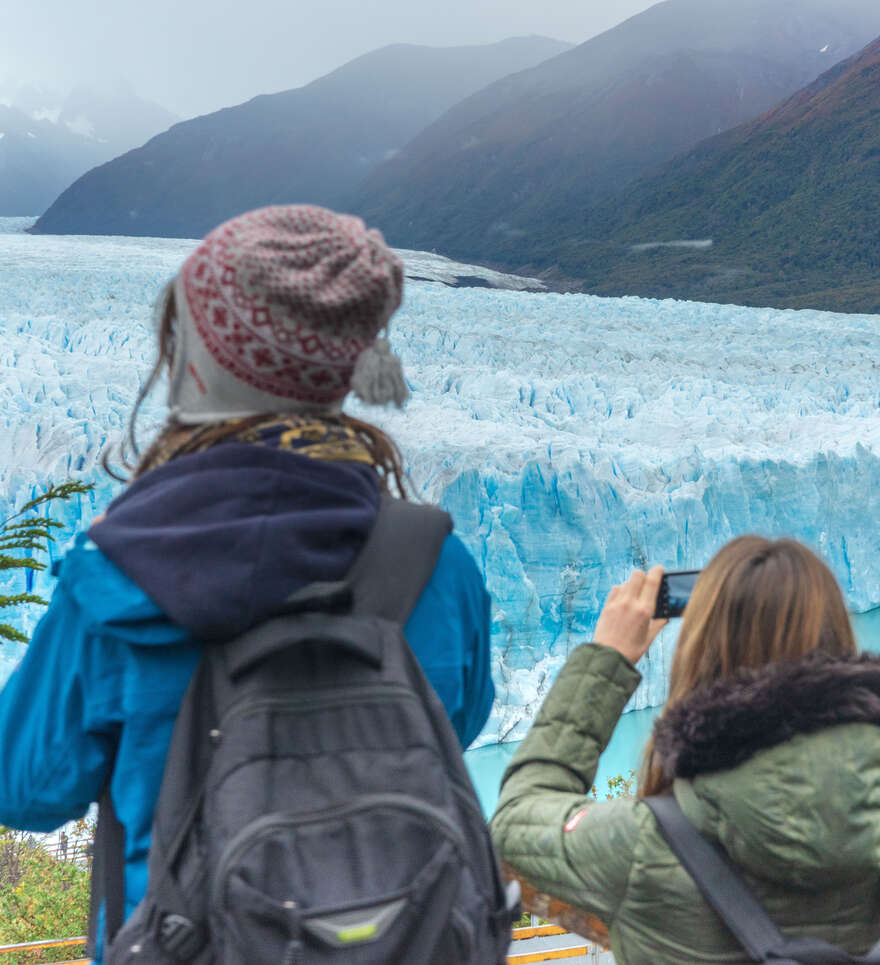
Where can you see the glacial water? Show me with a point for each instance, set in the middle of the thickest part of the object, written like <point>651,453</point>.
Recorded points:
<point>623,753</point>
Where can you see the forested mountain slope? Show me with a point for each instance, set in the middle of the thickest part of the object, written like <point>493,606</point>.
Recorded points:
<point>532,154</point>
<point>312,144</point>
<point>790,202</point>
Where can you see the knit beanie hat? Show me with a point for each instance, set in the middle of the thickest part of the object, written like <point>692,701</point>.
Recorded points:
<point>279,310</point>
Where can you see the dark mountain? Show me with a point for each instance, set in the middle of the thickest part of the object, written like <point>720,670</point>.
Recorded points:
<point>790,203</point>
<point>528,156</point>
<point>35,158</point>
<point>311,144</point>
<point>47,141</point>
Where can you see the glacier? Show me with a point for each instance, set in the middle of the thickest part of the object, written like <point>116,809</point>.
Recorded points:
<point>571,437</point>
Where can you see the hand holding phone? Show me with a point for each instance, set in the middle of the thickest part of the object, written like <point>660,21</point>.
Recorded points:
<point>674,593</point>
<point>625,622</point>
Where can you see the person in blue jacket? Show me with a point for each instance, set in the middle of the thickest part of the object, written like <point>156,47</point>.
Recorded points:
<point>256,486</point>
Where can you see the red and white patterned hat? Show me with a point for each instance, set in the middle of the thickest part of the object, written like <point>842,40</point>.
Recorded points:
<point>275,308</point>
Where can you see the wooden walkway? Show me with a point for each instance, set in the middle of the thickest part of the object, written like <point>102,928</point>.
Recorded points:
<point>541,943</point>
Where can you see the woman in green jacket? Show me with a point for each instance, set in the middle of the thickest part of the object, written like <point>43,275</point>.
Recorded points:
<point>769,742</point>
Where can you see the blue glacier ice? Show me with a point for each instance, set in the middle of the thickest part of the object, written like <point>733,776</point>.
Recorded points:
<point>572,437</point>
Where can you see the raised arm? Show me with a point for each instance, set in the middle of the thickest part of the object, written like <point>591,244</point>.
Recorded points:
<point>546,827</point>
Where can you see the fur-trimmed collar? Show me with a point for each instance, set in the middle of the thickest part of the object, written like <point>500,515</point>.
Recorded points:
<point>718,727</point>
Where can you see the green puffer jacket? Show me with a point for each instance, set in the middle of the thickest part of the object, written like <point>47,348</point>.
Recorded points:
<point>782,766</point>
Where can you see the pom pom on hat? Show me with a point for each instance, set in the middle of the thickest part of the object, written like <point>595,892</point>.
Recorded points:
<point>280,309</point>
<point>378,376</point>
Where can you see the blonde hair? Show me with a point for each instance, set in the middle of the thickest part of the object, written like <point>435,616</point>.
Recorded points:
<point>758,601</point>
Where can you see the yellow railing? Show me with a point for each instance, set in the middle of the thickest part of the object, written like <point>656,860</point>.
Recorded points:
<point>50,943</point>
<point>519,934</point>
<point>578,950</point>
<point>537,931</point>
<point>551,955</point>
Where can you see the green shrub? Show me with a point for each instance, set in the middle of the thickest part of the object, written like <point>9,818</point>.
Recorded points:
<point>42,896</point>
<point>618,786</point>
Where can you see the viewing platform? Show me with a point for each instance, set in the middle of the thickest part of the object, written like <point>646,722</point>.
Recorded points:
<point>537,943</point>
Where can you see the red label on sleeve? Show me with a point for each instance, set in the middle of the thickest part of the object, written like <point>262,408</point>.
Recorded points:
<point>576,820</point>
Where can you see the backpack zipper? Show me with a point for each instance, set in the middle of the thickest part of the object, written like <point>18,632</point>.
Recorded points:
<point>261,827</point>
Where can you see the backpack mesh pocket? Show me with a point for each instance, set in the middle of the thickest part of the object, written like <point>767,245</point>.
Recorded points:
<point>370,882</point>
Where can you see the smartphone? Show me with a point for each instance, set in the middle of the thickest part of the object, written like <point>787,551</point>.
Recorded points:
<point>675,591</point>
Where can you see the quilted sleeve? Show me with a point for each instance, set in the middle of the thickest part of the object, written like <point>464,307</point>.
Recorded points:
<point>546,827</point>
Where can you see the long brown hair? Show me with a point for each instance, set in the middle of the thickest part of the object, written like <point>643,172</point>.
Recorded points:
<point>758,601</point>
<point>384,453</point>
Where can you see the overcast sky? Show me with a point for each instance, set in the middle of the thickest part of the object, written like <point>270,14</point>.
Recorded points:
<point>195,56</point>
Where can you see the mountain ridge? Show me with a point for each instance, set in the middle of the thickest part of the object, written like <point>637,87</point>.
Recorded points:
<point>311,143</point>
<point>48,140</point>
<point>532,153</point>
<point>791,201</point>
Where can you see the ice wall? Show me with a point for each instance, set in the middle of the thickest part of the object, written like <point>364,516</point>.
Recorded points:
<point>571,437</point>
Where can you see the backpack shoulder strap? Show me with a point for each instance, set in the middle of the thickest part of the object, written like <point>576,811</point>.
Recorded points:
<point>397,561</point>
<point>108,873</point>
<point>734,901</point>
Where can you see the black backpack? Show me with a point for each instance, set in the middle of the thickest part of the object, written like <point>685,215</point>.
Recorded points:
<point>734,901</point>
<point>315,807</point>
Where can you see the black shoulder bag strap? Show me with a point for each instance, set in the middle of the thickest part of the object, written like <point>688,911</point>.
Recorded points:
<point>734,901</point>
<point>108,873</point>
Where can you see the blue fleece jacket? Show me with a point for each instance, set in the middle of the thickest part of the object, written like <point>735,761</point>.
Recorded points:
<point>194,551</point>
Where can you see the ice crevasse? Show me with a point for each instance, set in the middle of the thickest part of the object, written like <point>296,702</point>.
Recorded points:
<point>571,437</point>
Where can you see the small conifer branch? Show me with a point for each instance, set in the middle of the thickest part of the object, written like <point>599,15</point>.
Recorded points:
<point>21,544</point>
<point>21,598</point>
<point>29,533</point>
<point>62,491</point>
<point>38,531</point>
<point>10,633</point>
<point>35,522</point>
<point>20,562</point>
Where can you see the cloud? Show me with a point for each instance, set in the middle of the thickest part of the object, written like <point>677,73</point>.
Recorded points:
<point>195,56</point>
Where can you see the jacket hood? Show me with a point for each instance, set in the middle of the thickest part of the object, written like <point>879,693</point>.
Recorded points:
<point>723,725</point>
<point>782,766</point>
<point>219,539</point>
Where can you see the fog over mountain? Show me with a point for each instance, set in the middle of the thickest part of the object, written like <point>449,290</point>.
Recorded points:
<point>527,158</point>
<point>48,139</point>
<point>311,145</point>
<point>199,56</point>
